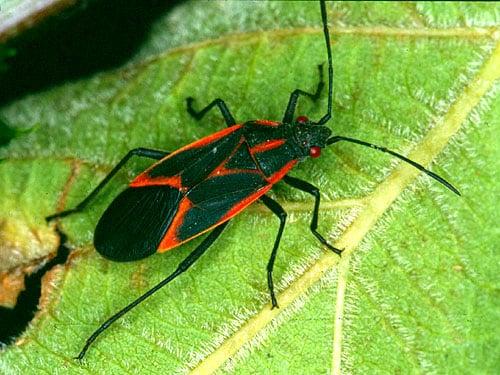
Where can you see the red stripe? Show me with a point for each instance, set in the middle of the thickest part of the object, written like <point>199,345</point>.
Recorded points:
<point>223,171</point>
<point>208,139</point>
<point>145,180</point>
<point>170,239</point>
<point>267,123</point>
<point>204,141</point>
<point>282,172</point>
<point>238,207</point>
<point>267,145</point>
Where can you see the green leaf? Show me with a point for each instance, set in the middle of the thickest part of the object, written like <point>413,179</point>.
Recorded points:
<point>17,16</point>
<point>416,290</point>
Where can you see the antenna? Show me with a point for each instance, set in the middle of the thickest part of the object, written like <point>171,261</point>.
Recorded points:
<point>438,178</point>
<point>328,114</point>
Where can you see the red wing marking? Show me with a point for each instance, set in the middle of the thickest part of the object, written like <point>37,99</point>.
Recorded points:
<point>245,202</point>
<point>282,172</point>
<point>222,171</point>
<point>208,139</point>
<point>145,180</point>
<point>267,145</point>
<point>170,239</point>
<point>267,123</point>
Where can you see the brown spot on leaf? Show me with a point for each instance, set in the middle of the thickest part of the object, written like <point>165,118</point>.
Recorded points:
<point>11,284</point>
<point>75,172</point>
<point>49,281</point>
<point>21,243</point>
<point>458,268</point>
<point>76,254</point>
<point>137,281</point>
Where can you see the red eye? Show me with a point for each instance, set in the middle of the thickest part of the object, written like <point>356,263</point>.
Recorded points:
<point>302,119</point>
<point>315,151</point>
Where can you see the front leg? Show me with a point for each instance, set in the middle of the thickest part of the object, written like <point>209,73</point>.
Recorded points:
<point>313,190</point>
<point>294,96</point>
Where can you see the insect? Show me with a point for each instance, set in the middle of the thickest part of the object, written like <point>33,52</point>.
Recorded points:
<point>201,186</point>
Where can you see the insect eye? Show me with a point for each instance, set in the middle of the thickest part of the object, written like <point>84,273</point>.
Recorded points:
<point>302,119</point>
<point>315,151</point>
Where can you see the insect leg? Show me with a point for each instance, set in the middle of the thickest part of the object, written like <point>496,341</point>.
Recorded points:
<point>313,190</point>
<point>280,212</point>
<point>228,117</point>
<point>294,96</point>
<point>182,267</point>
<point>144,152</point>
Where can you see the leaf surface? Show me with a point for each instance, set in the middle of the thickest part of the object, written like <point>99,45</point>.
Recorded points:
<point>416,290</point>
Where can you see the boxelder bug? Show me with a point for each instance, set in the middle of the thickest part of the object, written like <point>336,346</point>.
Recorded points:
<point>201,186</point>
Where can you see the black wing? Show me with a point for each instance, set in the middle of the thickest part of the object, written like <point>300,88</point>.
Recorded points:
<point>133,225</point>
